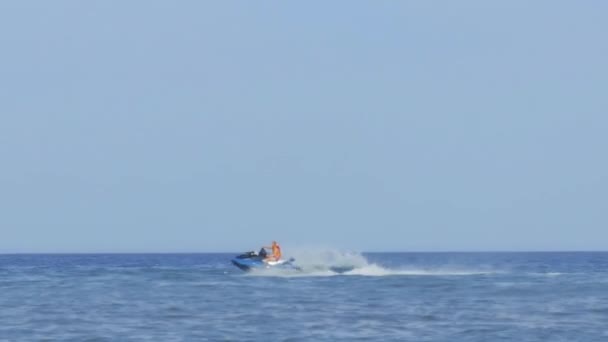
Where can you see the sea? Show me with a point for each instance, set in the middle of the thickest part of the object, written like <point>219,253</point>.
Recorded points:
<point>336,296</point>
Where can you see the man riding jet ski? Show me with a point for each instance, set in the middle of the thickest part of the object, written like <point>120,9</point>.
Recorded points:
<point>253,260</point>
<point>276,252</point>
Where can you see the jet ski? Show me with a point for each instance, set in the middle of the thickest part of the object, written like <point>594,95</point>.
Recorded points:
<point>251,260</point>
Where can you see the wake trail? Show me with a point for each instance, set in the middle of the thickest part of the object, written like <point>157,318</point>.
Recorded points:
<point>330,263</point>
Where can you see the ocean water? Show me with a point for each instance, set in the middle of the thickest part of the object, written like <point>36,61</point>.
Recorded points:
<point>380,297</point>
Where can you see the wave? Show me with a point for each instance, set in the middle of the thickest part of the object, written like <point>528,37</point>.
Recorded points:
<point>326,263</point>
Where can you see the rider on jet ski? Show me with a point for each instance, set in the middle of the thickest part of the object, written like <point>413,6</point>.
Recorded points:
<point>276,252</point>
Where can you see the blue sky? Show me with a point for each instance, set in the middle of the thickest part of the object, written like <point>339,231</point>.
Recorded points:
<point>166,126</point>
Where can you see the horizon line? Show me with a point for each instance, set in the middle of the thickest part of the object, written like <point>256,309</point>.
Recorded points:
<point>363,252</point>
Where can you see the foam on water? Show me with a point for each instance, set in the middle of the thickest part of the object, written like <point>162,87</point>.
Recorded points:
<point>326,263</point>
<point>375,270</point>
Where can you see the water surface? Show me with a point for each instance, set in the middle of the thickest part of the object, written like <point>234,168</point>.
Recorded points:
<point>384,296</point>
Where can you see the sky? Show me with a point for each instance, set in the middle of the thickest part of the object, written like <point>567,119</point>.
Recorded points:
<point>209,126</point>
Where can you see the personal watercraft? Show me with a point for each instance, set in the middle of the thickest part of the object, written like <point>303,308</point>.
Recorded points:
<point>251,260</point>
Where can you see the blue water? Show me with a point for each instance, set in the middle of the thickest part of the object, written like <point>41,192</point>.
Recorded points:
<point>383,297</point>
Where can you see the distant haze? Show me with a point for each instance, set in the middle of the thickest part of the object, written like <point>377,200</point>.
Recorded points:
<point>187,126</point>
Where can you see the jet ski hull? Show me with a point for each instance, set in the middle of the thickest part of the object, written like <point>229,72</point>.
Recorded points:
<point>249,263</point>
